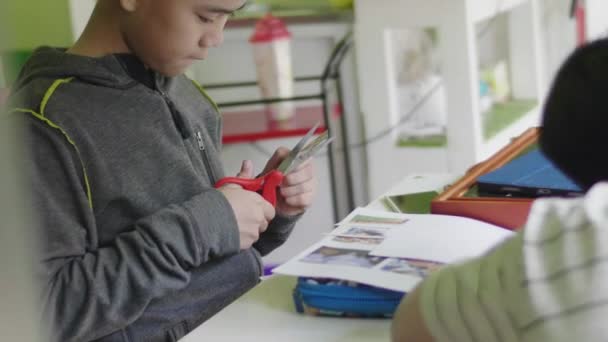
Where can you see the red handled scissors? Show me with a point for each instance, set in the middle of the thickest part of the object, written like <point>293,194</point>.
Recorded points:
<point>268,183</point>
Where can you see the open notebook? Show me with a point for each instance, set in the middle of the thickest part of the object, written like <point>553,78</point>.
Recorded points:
<point>529,175</point>
<point>393,251</point>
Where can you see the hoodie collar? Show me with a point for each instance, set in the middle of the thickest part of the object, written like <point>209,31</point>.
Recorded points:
<point>136,69</point>
<point>115,70</point>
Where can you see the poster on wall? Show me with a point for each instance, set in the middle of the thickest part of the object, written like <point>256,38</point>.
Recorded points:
<point>418,82</point>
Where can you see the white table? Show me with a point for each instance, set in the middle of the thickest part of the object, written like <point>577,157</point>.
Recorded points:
<point>266,313</point>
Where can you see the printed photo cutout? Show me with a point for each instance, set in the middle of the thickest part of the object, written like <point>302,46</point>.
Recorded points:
<point>421,268</point>
<point>367,219</point>
<point>365,232</point>
<point>358,240</point>
<point>342,256</point>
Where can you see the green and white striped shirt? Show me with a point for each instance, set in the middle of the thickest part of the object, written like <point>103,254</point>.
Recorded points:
<point>547,283</point>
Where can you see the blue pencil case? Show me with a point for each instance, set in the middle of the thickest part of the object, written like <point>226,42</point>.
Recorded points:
<point>327,297</point>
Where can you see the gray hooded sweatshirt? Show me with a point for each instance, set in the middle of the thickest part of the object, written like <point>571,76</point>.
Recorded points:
<point>136,243</point>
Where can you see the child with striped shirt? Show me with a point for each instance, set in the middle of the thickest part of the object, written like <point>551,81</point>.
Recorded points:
<point>549,282</point>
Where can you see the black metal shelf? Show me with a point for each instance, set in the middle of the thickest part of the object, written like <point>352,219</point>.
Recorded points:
<point>339,159</point>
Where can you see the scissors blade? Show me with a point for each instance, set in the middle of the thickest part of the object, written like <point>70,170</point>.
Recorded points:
<point>308,151</point>
<point>296,149</point>
<point>306,137</point>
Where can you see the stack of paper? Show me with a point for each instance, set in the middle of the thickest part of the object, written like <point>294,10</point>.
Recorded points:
<point>391,250</point>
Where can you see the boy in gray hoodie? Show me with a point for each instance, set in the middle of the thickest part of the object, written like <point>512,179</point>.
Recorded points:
<point>137,245</point>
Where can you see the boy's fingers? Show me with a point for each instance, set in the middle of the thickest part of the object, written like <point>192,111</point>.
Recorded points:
<point>304,165</point>
<point>301,200</point>
<point>302,188</point>
<point>263,227</point>
<point>268,210</point>
<point>301,176</point>
<point>232,186</point>
<point>246,169</point>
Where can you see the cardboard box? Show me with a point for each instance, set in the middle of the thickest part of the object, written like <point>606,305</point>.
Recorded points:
<point>506,212</point>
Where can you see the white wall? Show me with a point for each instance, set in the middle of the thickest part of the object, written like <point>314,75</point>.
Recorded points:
<point>80,11</point>
<point>597,18</point>
<point>559,34</point>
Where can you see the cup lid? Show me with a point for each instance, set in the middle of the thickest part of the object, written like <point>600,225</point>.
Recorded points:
<point>269,28</point>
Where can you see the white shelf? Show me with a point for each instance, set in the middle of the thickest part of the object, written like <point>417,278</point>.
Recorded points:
<point>530,119</point>
<point>455,22</point>
<point>485,9</point>
<point>596,24</point>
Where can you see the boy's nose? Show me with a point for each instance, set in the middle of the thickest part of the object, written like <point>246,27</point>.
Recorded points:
<point>212,38</point>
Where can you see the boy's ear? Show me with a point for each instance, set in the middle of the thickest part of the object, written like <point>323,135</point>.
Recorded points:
<point>129,5</point>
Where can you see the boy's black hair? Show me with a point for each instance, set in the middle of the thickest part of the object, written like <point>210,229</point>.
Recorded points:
<point>575,118</point>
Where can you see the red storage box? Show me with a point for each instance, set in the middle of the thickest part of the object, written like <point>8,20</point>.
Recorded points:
<point>506,212</point>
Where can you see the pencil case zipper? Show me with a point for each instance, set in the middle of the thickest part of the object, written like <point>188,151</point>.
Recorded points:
<point>346,299</point>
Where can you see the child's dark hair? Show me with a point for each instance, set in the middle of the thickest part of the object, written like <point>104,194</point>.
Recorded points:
<point>575,118</point>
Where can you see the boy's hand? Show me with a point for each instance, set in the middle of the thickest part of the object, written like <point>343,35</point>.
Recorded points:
<point>298,188</point>
<point>252,211</point>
